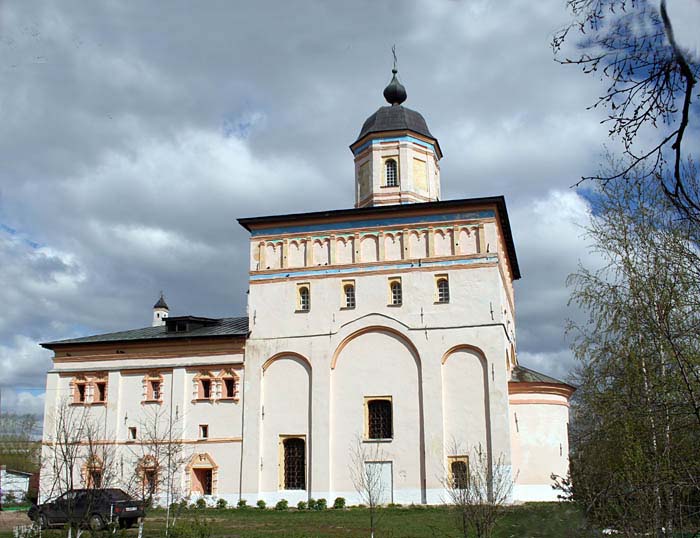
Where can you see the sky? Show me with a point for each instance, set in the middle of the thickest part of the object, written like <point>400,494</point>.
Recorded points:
<point>134,134</point>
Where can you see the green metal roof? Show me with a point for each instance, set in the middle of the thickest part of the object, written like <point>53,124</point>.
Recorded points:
<point>221,327</point>
<point>520,374</point>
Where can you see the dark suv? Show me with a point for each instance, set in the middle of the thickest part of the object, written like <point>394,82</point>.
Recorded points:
<point>88,507</point>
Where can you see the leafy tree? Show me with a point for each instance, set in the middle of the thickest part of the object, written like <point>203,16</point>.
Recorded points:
<point>636,415</point>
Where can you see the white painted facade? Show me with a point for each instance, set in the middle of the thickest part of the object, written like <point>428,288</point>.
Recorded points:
<point>312,361</point>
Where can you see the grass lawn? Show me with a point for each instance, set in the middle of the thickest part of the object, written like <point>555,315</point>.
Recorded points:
<point>531,520</point>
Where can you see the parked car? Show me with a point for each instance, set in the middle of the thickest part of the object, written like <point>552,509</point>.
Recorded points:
<point>92,508</point>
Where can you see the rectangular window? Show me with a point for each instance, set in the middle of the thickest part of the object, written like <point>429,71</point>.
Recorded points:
<point>229,387</point>
<point>132,433</point>
<point>206,389</point>
<point>81,393</point>
<point>458,469</point>
<point>204,431</point>
<point>101,391</point>
<point>395,292</point>
<point>379,417</point>
<point>154,390</point>
<point>303,297</point>
<point>443,288</point>
<point>294,463</point>
<point>348,298</point>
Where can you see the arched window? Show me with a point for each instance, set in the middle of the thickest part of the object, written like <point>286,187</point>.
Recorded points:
<point>294,463</point>
<point>304,299</point>
<point>349,292</point>
<point>396,292</point>
<point>443,290</point>
<point>392,176</point>
<point>379,419</point>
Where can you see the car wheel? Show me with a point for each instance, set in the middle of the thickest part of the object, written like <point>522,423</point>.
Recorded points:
<point>96,522</point>
<point>43,521</point>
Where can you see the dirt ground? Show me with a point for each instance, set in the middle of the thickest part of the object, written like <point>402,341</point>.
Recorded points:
<point>9,520</point>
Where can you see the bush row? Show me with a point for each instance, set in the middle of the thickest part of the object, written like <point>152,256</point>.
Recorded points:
<point>283,504</point>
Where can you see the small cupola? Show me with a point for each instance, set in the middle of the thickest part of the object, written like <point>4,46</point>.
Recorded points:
<point>396,155</point>
<point>160,311</point>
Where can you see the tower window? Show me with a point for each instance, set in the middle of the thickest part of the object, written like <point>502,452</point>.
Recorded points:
<point>349,295</point>
<point>391,172</point>
<point>294,452</point>
<point>379,418</point>
<point>443,289</point>
<point>303,298</point>
<point>395,292</point>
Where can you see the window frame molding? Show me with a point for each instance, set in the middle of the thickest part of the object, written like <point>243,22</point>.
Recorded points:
<point>385,176</point>
<point>464,458</point>
<point>365,436</point>
<point>391,281</point>
<point>299,302</point>
<point>281,461</point>
<point>147,395</point>
<point>344,284</point>
<point>442,277</point>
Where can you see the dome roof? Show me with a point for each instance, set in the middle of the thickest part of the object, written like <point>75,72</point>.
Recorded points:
<point>161,303</point>
<point>395,118</point>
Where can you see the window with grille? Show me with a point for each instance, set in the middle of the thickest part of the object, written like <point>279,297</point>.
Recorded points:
<point>379,420</point>
<point>460,473</point>
<point>349,290</point>
<point>396,293</point>
<point>392,177</point>
<point>443,290</point>
<point>294,463</point>
<point>304,299</point>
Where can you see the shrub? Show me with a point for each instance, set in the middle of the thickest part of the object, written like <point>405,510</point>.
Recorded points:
<point>200,503</point>
<point>261,504</point>
<point>282,504</point>
<point>301,505</point>
<point>321,504</point>
<point>221,504</point>
<point>190,528</point>
<point>394,505</point>
<point>242,503</point>
<point>339,503</point>
<point>312,504</point>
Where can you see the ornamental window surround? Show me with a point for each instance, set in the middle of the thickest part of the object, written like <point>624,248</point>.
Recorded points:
<point>458,467</point>
<point>348,297</point>
<point>88,389</point>
<point>153,388</point>
<point>391,173</point>
<point>303,297</point>
<point>379,421</point>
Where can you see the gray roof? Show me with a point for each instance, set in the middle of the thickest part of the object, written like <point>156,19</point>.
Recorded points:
<point>222,327</point>
<point>520,374</point>
<point>395,118</point>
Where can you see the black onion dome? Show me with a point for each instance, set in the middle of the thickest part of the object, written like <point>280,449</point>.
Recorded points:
<point>395,118</point>
<point>161,303</point>
<point>395,93</point>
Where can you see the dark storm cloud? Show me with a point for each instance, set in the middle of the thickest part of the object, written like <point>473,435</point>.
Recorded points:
<point>134,135</point>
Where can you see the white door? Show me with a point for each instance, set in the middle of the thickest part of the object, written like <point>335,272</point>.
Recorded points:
<point>381,474</point>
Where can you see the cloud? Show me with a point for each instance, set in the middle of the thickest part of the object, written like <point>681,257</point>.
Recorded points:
<point>136,136</point>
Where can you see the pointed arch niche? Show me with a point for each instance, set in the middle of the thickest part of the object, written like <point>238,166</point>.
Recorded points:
<point>379,362</point>
<point>465,399</point>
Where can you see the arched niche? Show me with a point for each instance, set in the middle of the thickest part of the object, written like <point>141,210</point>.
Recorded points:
<point>465,403</point>
<point>286,410</point>
<point>378,362</point>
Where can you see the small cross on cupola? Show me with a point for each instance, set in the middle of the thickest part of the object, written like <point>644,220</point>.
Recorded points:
<point>396,156</point>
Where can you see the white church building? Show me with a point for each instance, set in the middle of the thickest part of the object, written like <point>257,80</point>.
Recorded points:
<point>389,327</point>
